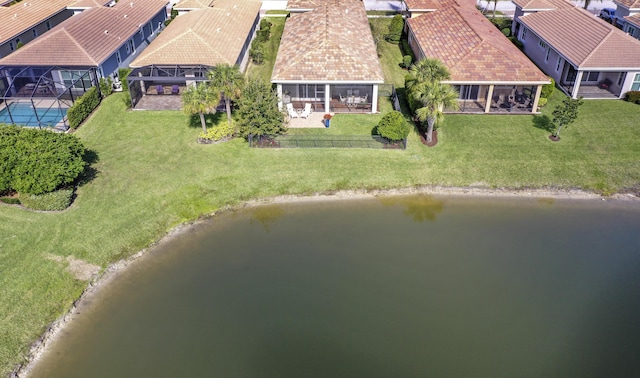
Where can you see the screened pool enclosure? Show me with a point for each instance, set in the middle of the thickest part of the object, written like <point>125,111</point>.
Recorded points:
<point>41,96</point>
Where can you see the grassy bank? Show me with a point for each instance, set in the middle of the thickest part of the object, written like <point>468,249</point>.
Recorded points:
<point>150,175</point>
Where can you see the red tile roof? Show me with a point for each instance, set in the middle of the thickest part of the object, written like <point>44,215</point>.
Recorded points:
<point>88,38</point>
<point>208,36</point>
<point>18,18</point>
<point>421,4</point>
<point>629,4</point>
<point>634,20</point>
<point>471,47</point>
<point>193,4</point>
<point>586,41</point>
<point>542,4</point>
<point>305,4</point>
<point>329,43</point>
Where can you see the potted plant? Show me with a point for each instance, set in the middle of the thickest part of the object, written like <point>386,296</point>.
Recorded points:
<point>327,120</point>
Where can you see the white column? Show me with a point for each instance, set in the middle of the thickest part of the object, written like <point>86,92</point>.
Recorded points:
<point>576,85</point>
<point>327,98</point>
<point>279,91</point>
<point>487,106</point>
<point>534,106</point>
<point>374,99</point>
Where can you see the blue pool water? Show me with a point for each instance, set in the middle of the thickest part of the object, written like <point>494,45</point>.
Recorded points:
<point>25,114</point>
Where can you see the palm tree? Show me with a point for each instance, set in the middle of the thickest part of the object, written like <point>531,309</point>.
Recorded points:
<point>426,70</point>
<point>434,96</point>
<point>228,81</point>
<point>199,99</point>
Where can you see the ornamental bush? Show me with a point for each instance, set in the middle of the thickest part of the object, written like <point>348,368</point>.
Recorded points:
<point>54,201</point>
<point>83,107</point>
<point>258,112</point>
<point>406,61</point>
<point>38,161</point>
<point>632,96</point>
<point>395,29</point>
<point>393,126</point>
<point>106,86</point>
<point>256,52</point>
<point>547,89</point>
<point>222,131</point>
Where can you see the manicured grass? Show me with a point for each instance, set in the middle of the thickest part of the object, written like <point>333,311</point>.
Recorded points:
<point>150,175</point>
<point>264,70</point>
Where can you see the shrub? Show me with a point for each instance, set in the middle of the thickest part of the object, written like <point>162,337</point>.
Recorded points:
<point>547,89</point>
<point>506,31</point>
<point>106,86</point>
<point>258,112</point>
<point>123,73</point>
<point>406,61</point>
<point>406,48</point>
<point>54,201</point>
<point>256,52</point>
<point>8,155</point>
<point>395,29</point>
<point>263,34</point>
<point>221,132</point>
<point>83,107</point>
<point>10,200</point>
<point>44,161</point>
<point>393,126</point>
<point>542,102</point>
<point>516,42</point>
<point>632,96</point>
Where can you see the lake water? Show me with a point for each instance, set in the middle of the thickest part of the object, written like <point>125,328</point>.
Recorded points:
<point>416,286</point>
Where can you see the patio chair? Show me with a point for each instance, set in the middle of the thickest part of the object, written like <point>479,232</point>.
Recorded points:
<point>159,89</point>
<point>342,98</point>
<point>307,111</point>
<point>292,112</point>
<point>175,89</point>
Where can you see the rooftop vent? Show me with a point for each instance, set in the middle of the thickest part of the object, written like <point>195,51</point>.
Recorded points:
<point>106,32</point>
<point>218,30</point>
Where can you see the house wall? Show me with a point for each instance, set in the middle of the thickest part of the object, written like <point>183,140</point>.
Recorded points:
<point>538,54</point>
<point>140,42</point>
<point>28,35</point>
<point>415,47</point>
<point>243,58</point>
<point>632,30</point>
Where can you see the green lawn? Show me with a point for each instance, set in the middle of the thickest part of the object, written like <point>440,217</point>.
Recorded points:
<point>263,71</point>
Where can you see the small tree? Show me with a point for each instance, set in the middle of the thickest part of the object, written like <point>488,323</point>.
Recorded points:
<point>258,112</point>
<point>199,99</point>
<point>256,52</point>
<point>393,126</point>
<point>228,81</point>
<point>547,89</point>
<point>565,114</point>
<point>395,29</point>
<point>435,97</point>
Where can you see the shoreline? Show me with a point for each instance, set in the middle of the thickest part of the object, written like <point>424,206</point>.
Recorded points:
<point>98,282</point>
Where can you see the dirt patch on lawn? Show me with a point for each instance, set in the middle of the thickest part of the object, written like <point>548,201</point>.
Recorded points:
<point>434,138</point>
<point>80,269</point>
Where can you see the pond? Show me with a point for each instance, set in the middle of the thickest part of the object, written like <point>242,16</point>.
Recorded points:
<point>391,287</point>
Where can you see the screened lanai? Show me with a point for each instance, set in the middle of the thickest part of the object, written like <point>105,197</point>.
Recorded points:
<point>159,87</point>
<point>40,96</point>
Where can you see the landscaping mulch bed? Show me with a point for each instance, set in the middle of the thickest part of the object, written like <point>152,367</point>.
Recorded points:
<point>434,138</point>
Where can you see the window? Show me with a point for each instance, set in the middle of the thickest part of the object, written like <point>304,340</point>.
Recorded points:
<point>559,64</point>
<point>142,34</point>
<point>48,25</point>
<point>632,31</point>
<point>546,57</point>
<point>621,77</point>
<point>118,58</point>
<point>636,83</point>
<point>76,79</point>
<point>150,29</point>
<point>590,76</point>
<point>523,36</point>
<point>35,33</point>
<point>12,45</point>
<point>131,46</point>
<point>542,44</point>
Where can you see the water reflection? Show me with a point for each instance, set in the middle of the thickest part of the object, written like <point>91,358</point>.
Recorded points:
<point>266,215</point>
<point>420,208</point>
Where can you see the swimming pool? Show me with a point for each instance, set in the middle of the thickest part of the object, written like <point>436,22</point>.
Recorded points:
<point>25,114</point>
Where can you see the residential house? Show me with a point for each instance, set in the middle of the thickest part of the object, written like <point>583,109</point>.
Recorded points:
<point>629,11</point>
<point>491,74</point>
<point>78,6</point>
<point>191,44</point>
<point>327,58</point>
<point>632,25</point>
<point>587,56</point>
<point>22,22</point>
<point>297,6</point>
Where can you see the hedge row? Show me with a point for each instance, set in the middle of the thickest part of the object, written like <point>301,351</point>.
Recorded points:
<point>83,106</point>
<point>54,201</point>
<point>632,96</point>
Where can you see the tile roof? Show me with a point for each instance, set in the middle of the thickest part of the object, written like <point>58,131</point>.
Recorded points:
<point>586,41</point>
<point>421,4</point>
<point>18,18</point>
<point>471,47</point>
<point>206,36</point>
<point>88,38</point>
<point>305,4</point>
<point>193,4</point>
<point>330,43</point>
<point>84,4</point>
<point>634,20</point>
<point>629,4</point>
<point>542,4</point>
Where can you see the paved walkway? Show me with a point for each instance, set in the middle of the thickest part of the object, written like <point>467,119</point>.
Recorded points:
<point>315,120</point>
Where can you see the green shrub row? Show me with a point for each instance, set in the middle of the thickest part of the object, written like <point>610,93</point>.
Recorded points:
<point>123,74</point>
<point>632,96</point>
<point>106,86</point>
<point>83,106</point>
<point>395,29</point>
<point>54,201</point>
<point>265,30</point>
<point>10,200</point>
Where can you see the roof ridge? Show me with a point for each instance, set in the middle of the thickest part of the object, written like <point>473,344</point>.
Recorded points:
<point>593,51</point>
<point>75,42</point>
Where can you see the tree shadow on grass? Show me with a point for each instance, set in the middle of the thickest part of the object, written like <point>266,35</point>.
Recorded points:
<point>210,119</point>
<point>543,122</point>
<point>90,157</point>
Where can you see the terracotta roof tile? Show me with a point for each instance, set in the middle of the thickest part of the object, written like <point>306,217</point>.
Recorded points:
<point>471,47</point>
<point>193,4</point>
<point>421,4</point>
<point>17,18</point>
<point>634,20</point>
<point>206,36</point>
<point>629,4</point>
<point>88,3</point>
<point>586,41</point>
<point>305,4</point>
<point>330,43</point>
<point>542,4</point>
<point>88,38</point>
